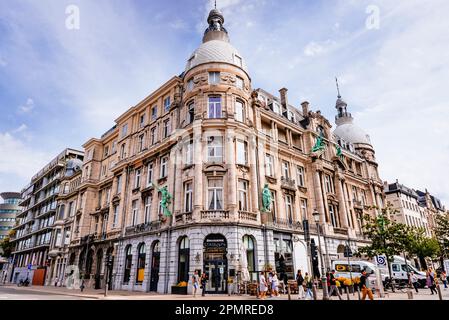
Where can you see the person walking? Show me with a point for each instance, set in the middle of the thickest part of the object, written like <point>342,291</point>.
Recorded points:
<point>364,286</point>
<point>203,281</point>
<point>443,278</point>
<point>195,283</point>
<point>430,281</point>
<point>414,280</point>
<point>275,285</point>
<point>263,286</point>
<point>333,285</point>
<point>309,285</point>
<point>300,283</point>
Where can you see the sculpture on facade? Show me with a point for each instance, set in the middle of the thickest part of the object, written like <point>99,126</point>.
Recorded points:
<point>266,198</point>
<point>319,144</point>
<point>339,152</point>
<point>165,199</point>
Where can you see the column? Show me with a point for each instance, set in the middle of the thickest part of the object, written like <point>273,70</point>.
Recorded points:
<point>325,203</point>
<point>198,161</point>
<point>319,204</point>
<point>341,199</point>
<point>231,198</point>
<point>253,174</point>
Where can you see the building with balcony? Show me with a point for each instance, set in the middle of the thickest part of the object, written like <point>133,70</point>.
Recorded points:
<point>37,223</point>
<point>405,201</point>
<point>214,143</point>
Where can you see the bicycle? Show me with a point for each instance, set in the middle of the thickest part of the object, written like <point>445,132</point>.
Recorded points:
<point>395,285</point>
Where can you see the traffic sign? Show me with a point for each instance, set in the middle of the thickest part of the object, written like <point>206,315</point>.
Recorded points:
<point>348,252</point>
<point>29,266</point>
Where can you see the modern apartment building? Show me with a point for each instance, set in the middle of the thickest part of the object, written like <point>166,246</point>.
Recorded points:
<point>38,222</point>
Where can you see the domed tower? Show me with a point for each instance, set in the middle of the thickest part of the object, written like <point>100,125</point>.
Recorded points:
<point>355,139</point>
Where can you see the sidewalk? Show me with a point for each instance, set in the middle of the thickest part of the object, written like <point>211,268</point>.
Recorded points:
<point>424,294</point>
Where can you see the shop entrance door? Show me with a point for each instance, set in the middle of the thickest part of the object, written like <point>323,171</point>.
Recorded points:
<point>216,271</point>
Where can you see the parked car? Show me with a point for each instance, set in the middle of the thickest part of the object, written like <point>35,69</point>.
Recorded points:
<point>399,270</point>
<point>354,268</point>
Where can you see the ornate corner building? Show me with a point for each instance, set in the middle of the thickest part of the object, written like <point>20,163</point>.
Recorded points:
<point>208,173</point>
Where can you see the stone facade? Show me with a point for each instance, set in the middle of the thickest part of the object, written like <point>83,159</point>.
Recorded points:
<point>214,142</point>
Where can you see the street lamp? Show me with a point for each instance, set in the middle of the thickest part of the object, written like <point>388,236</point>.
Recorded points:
<point>316,217</point>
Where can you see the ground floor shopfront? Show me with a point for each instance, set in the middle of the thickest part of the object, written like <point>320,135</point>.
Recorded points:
<point>161,262</point>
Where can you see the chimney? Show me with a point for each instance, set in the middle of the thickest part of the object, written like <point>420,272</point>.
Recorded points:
<point>284,100</point>
<point>305,108</point>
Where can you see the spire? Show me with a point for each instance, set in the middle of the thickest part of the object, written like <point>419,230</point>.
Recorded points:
<point>215,4</point>
<point>338,88</point>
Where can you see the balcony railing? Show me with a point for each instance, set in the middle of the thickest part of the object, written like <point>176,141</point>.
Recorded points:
<point>184,217</point>
<point>215,214</point>
<point>285,224</point>
<point>343,231</point>
<point>288,183</point>
<point>246,215</point>
<point>144,227</point>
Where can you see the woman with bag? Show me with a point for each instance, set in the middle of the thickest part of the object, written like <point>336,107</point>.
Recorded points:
<point>263,286</point>
<point>309,285</point>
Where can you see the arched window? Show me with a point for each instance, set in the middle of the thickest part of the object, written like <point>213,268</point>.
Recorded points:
<point>248,243</point>
<point>183,260</point>
<point>140,263</point>
<point>89,262</point>
<point>128,263</point>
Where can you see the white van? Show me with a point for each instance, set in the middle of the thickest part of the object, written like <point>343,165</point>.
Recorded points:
<point>343,268</point>
<point>399,271</point>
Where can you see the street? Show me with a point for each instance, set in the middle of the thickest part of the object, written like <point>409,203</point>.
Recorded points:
<point>51,293</point>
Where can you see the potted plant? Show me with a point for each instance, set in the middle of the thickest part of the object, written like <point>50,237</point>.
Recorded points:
<point>180,288</point>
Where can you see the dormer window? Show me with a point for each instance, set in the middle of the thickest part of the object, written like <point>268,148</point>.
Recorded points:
<point>190,85</point>
<point>239,83</point>
<point>238,60</point>
<point>276,108</point>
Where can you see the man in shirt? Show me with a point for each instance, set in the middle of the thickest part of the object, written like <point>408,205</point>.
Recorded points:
<point>333,285</point>
<point>364,286</point>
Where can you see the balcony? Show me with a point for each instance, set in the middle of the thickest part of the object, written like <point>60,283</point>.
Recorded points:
<point>358,204</point>
<point>288,183</point>
<point>285,224</point>
<point>141,228</point>
<point>215,214</point>
<point>184,217</point>
<point>248,216</point>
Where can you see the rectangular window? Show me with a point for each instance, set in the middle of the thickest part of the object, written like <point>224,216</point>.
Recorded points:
<point>167,128</point>
<point>190,85</point>
<point>329,183</point>
<point>214,108</point>
<point>304,208</point>
<point>108,196</point>
<point>164,167</point>
<point>153,133</point>
<point>119,184</point>
<point>188,197</point>
<point>142,120</point>
<point>269,165</point>
<point>333,216</point>
<point>124,130</point>
<point>106,151</point>
<point>300,176</point>
<point>242,152</point>
<point>289,207</point>
<point>354,194</point>
<point>243,195</point>
<point>214,77</point>
<point>191,112</point>
<point>114,146</point>
<point>215,149</point>
<point>189,152</point>
<point>215,194</point>
<point>286,169</point>
<point>239,83</point>
<point>115,217</point>
<point>104,226</point>
<point>149,174</point>
<point>135,212</point>
<point>140,143</point>
<point>154,113</point>
<point>122,151</point>
<point>148,201</point>
<point>137,178</point>
<point>239,113</point>
<point>167,104</point>
<point>273,205</point>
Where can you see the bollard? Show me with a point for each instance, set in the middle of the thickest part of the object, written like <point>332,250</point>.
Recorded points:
<point>410,294</point>
<point>439,292</point>
<point>288,292</point>
<point>314,292</point>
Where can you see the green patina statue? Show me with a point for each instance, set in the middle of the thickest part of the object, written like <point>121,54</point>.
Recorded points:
<point>339,152</point>
<point>165,199</point>
<point>266,198</point>
<point>319,145</point>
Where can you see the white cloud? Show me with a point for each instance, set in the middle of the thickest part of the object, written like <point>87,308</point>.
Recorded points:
<point>27,107</point>
<point>21,128</point>
<point>318,48</point>
<point>19,162</point>
<point>3,62</point>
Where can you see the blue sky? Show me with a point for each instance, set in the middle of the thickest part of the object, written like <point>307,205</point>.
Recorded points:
<point>60,87</point>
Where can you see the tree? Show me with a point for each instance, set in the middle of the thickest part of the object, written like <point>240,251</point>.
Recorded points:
<point>441,230</point>
<point>386,236</point>
<point>6,245</point>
